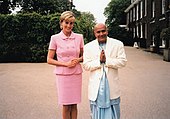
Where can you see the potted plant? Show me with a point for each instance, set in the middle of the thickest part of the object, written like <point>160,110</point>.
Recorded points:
<point>165,35</point>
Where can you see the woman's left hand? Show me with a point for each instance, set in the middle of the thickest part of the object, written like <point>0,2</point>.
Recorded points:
<point>75,61</point>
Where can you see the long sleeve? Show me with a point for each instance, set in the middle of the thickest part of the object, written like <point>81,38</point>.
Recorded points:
<point>91,59</point>
<point>118,61</point>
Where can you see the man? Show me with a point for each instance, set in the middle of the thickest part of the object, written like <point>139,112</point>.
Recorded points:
<point>102,57</point>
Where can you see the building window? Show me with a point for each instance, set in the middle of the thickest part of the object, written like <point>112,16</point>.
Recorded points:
<point>146,31</point>
<point>137,12</point>
<point>130,15</point>
<point>134,32</point>
<point>134,14</point>
<point>145,10</point>
<point>137,31</point>
<point>141,30</point>
<point>127,21</point>
<point>153,8</point>
<point>163,6</point>
<point>141,9</point>
<point>153,40</point>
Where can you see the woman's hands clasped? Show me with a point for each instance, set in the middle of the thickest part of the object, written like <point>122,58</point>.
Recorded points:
<point>72,63</point>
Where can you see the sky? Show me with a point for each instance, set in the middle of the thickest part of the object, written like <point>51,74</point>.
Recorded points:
<point>95,7</point>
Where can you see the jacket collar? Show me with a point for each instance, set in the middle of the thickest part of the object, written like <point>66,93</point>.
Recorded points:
<point>64,37</point>
<point>108,45</point>
<point>96,40</point>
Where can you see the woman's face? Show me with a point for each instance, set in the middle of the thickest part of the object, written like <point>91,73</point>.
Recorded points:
<point>67,25</point>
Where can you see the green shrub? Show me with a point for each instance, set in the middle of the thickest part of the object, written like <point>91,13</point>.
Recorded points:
<point>25,37</point>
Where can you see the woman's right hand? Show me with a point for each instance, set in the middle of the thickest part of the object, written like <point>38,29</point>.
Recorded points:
<point>71,63</point>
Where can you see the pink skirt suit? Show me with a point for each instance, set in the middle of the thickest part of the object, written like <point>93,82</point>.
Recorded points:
<point>68,80</point>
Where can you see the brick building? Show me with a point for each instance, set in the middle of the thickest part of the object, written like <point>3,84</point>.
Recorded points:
<point>146,19</point>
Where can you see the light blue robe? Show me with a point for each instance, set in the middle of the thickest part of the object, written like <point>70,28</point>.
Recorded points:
<point>103,107</point>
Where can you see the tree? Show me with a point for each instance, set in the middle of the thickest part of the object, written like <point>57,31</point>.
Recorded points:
<point>5,7</point>
<point>115,11</point>
<point>39,6</point>
<point>84,24</point>
<point>116,16</point>
<point>44,7</point>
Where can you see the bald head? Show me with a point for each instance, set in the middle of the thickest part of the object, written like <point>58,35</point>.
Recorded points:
<point>99,25</point>
<point>100,32</point>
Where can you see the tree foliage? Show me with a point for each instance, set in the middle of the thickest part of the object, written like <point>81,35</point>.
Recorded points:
<point>43,7</point>
<point>25,36</point>
<point>116,16</point>
<point>115,11</point>
<point>29,42</point>
<point>85,24</point>
<point>5,6</point>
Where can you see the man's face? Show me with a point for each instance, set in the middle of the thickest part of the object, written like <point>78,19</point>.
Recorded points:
<point>101,33</point>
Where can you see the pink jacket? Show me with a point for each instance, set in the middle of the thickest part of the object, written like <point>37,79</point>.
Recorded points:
<point>67,48</point>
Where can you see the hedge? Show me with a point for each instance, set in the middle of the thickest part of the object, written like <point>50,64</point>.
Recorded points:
<point>25,37</point>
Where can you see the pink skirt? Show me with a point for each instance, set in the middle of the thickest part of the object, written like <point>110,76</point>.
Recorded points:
<point>69,89</point>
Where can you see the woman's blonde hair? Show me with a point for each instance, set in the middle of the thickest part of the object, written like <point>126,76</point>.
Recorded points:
<point>66,15</point>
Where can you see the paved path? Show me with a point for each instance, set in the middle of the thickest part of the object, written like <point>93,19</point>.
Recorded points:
<point>27,90</point>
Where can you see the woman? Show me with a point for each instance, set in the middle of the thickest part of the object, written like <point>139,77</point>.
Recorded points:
<point>68,47</point>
